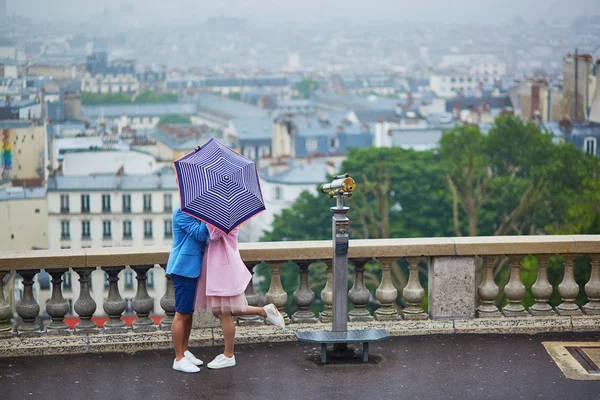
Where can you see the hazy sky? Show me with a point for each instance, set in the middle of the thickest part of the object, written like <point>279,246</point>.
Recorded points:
<point>421,10</point>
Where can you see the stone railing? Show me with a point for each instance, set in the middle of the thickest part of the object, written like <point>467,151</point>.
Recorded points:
<point>460,283</point>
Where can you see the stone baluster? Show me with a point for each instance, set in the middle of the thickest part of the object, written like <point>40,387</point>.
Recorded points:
<point>27,308</point>
<point>57,307</point>
<point>359,295</point>
<point>488,291</point>
<point>304,296</point>
<point>326,315</point>
<point>542,290</point>
<point>386,293</point>
<point>276,294</point>
<point>413,292</point>
<point>592,288</point>
<point>167,303</point>
<point>568,290</point>
<point>5,311</point>
<point>515,290</point>
<point>85,306</point>
<point>114,305</point>
<point>253,300</point>
<point>142,303</point>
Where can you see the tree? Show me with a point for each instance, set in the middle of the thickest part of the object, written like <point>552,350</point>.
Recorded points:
<point>309,218</point>
<point>151,97</point>
<point>514,180</point>
<point>307,87</point>
<point>400,193</point>
<point>174,119</point>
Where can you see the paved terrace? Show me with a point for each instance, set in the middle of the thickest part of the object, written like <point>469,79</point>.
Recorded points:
<point>435,367</point>
<point>447,350</point>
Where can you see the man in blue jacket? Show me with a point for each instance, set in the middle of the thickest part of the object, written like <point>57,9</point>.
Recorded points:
<point>190,237</point>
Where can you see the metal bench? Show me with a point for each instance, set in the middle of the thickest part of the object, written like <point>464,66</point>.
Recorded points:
<point>355,336</point>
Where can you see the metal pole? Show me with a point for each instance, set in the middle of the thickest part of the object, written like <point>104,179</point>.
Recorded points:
<point>576,64</point>
<point>340,224</point>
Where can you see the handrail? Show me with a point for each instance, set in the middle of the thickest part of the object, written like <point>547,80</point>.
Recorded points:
<point>312,250</point>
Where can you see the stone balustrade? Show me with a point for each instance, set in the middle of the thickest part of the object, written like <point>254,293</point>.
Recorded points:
<point>461,282</point>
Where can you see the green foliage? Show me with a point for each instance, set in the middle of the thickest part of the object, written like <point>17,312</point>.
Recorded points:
<point>106,98</point>
<point>514,180</point>
<point>151,97</point>
<point>147,97</point>
<point>174,119</point>
<point>235,96</point>
<point>307,87</point>
<point>303,221</point>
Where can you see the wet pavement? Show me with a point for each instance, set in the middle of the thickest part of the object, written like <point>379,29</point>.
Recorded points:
<point>436,367</point>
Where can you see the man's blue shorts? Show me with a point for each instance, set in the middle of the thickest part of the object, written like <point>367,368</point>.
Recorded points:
<point>185,291</point>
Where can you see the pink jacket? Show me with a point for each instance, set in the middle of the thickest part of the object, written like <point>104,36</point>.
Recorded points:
<point>226,273</point>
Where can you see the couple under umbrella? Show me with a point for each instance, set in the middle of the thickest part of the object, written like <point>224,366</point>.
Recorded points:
<point>219,190</point>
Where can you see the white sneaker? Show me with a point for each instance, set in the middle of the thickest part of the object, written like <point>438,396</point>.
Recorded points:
<point>274,316</point>
<point>192,358</point>
<point>184,365</point>
<point>221,361</point>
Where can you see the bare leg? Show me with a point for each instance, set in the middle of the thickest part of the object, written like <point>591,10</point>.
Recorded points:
<point>188,331</point>
<point>251,311</point>
<point>228,328</point>
<point>178,333</point>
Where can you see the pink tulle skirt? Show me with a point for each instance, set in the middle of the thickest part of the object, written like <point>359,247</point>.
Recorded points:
<point>223,304</point>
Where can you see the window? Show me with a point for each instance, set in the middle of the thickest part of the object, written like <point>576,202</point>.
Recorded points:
<point>311,144</point>
<point>128,280</point>
<point>334,143</point>
<point>106,229</point>
<point>126,203</point>
<point>106,203</point>
<point>168,229</point>
<point>168,202</point>
<point>67,281</point>
<point>65,230</point>
<point>148,229</point>
<point>64,203</point>
<point>589,145</point>
<point>147,203</point>
<point>70,301</point>
<point>277,193</point>
<point>150,280</point>
<point>85,203</point>
<point>126,229</point>
<point>85,229</point>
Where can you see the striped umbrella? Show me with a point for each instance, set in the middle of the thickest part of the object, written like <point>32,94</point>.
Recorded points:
<point>218,186</point>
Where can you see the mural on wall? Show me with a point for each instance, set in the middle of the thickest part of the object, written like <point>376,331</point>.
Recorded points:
<point>5,153</point>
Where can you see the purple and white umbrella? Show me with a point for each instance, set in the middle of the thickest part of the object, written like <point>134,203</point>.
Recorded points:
<point>218,186</point>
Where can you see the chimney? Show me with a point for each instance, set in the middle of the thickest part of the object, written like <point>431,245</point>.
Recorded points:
<point>595,111</point>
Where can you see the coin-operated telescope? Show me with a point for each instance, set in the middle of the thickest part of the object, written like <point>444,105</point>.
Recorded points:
<point>342,185</point>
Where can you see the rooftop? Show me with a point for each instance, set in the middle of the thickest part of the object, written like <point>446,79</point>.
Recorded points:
<point>111,182</point>
<point>227,108</point>
<point>19,193</point>
<point>94,162</point>
<point>185,137</point>
<point>137,110</point>
<point>313,172</point>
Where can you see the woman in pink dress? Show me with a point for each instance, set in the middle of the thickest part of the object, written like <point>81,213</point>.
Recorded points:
<point>223,280</point>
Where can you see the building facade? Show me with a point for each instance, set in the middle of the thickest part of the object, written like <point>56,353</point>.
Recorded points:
<point>110,211</point>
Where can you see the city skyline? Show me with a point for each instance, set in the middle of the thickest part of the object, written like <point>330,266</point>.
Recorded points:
<point>186,11</point>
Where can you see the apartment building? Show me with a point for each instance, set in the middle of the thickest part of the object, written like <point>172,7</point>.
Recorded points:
<point>110,210</point>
